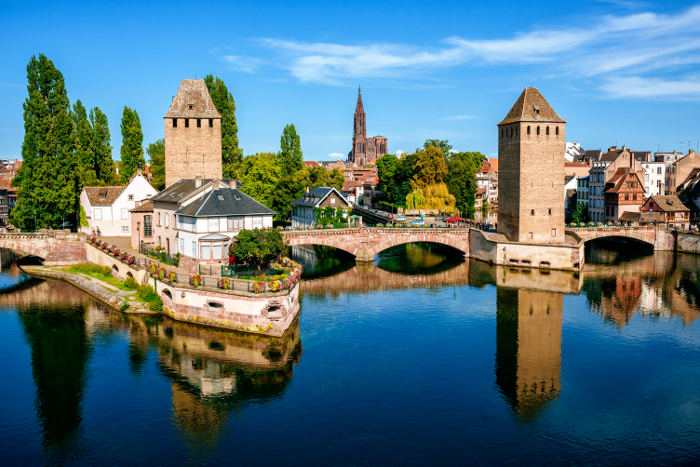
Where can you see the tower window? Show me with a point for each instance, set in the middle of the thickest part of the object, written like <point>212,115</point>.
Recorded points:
<point>187,123</point>
<point>174,122</point>
<point>550,211</point>
<point>556,130</point>
<point>538,131</point>
<point>190,106</point>
<point>199,123</point>
<point>547,131</point>
<point>211,122</point>
<point>532,212</point>
<point>528,129</point>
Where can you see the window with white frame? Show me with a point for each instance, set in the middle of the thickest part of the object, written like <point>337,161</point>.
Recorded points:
<point>167,221</point>
<point>97,214</point>
<point>213,224</point>
<point>125,228</point>
<point>182,245</point>
<point>194,249</point>
<point>131,197</point>
<point>206,250</point>
<point>257,222</point>
<point>235,223</point>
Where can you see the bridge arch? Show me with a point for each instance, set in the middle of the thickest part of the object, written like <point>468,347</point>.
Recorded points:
<point>644,237</point>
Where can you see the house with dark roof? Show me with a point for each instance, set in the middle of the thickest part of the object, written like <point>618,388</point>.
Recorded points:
<point>303,214</point>
<point>107,207</point>
<point>198,218</point>
<point>624,192</point>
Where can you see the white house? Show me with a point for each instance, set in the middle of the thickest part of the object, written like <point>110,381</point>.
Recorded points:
<point>107,207</point>
<point>198,217</point>
<point>654,178</point>
<point>303,214</point>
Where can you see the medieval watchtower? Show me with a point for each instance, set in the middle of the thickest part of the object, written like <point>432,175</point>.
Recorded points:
<point>531,148</point>
<point>192,134</point>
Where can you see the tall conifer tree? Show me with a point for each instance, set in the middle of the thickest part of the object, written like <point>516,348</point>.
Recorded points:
<point>85,152</point>
<point>156,153</point>
<point>231,154</point>
<point>132,145</point>
<point>102,147</point>
<point>48,180</point>
<point>290,157</point>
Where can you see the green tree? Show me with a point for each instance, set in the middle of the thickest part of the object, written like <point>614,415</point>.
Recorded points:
<point>461,180</point>
<point>259,175</point>
<point>84,149</point>
<point>386,169</point>
<point>581,213</point>
<point>258,247</point>
<point>102,148</point>
<point>49,178</point>
<point>132,145</point>
<point>156,155</point>
<point>290,157</point>
<point>430,168</point>
<point>442,144</point>
<point>231,154</point>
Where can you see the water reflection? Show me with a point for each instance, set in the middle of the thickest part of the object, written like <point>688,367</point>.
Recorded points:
<point>528,348</point>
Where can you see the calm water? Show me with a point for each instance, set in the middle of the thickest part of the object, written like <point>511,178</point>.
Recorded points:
<point>420,358</point>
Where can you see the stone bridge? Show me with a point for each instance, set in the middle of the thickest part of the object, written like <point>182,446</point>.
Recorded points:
<point>365,242</point>
<point>54,247</point>
<point>660,239</point>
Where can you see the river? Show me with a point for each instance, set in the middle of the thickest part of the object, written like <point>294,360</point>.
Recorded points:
<point>419,358</point>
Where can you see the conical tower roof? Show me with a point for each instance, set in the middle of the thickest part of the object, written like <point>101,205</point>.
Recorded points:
<point>192,101</point>
<point>359,108</point>
<point>531,106</point>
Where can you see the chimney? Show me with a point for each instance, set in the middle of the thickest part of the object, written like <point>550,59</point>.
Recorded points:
<point>197,182</point>
<point>307,188</point>
<point>215,184</point>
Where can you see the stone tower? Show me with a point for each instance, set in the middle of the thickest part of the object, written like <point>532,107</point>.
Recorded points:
<point>531,146</point>
<point>364,149</point>
<point>192,134</point>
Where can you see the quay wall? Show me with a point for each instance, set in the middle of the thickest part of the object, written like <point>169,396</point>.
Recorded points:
<point>688,242</point>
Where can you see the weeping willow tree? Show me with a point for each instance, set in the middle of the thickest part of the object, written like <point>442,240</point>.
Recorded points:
<point>434,197</point>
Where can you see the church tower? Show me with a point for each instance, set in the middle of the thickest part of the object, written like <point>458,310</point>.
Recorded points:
<point>531,147</point>
<point>357,155</point>
<point>192,134</point>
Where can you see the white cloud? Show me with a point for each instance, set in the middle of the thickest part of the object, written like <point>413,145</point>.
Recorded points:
<point>600,48</point>
<point>243,63</point>
<point>336,156</point>
<point>638,87</point>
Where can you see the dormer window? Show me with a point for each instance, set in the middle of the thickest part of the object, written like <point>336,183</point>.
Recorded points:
<point>536,109</point>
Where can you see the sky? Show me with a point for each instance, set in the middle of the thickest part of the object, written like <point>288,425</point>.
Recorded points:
<point>619,71</point>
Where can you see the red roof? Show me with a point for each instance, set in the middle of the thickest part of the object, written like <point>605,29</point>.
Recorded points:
<point>575,164</point>
<point>494,163</point>
<point>310,164</point>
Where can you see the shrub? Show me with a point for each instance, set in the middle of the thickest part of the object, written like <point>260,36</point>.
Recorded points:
<point>258,287</point>
<point>124,306</point>
<point>131,283</point>
<point>196,280</point>
<point>172,277</point>
<point>152,269</point>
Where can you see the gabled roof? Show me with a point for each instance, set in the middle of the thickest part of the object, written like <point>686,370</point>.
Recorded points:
<point>531,106</point>
<point>618,179</point>
<point>184,188</point>
<point>103,195</point>
<point>224,201</point>
<point>192,101</point>
<point>316,196</point>
<point>668,203</point>
<point>145,206</point>
<point>494,163</point>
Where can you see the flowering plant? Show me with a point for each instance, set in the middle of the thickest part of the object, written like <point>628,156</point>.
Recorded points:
<point>258,286</point>
<point>195,280</point>
<point>172,277</point>
<point>152,269</point>
<point>275,285</point>
<point>115,251</point>
<point>123,255</point>
<point>131,259</point>
<point>103,245</point>
<point>224,283</point>
<point>162,273</point>
<point>92,239</point>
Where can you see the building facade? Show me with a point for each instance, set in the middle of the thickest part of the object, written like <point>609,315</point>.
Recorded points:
<point>624,192</point>
<point>654,178</point>
<point>303,214</point>
<point>675,212</point>
<point>680,170</point>
<point>582,190</point>
<point>107,207</point>
<point>531,146</point>
<point>192,134</point>
<point>602,171</point>
<point>364,149</point>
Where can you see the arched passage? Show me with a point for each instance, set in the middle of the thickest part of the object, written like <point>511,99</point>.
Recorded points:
<point>615,249</point>
<point>419,258</point>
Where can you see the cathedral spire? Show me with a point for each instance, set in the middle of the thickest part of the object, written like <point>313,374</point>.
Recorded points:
<point>359,108</point>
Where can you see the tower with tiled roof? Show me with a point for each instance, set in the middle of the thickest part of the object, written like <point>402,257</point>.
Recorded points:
<point>531,147</point>
<point>192,134</point>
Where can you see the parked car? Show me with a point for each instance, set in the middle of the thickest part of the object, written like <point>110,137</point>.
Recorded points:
<point>439,219</point>
<point>400,218</point>
<point>417,222</point>
<point>453,219</point>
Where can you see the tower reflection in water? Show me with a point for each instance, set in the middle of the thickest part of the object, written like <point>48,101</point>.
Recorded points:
<point>528,348</point>
<point>214,372</point>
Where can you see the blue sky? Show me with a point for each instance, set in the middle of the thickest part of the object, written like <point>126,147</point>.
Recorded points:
<point>620,72</point>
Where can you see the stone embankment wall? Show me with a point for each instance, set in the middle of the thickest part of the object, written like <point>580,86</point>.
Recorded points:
<point>56,248</point>
<point>689,243</point>
<point>83,283</point>
<point>265,313</point>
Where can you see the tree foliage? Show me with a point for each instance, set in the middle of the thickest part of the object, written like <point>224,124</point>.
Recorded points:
<point>461,180</point>
<point>231,154</point>
<point>442,144</point>
<point>258,247</point>
<point>581,213</point>
<point>433,197</point>
<point>430,168</point>
<point>93,147</point>
<point>103,164</point>
<point>156,155</point>
<point>48,182</point>
<point>132,145</point>
<point>290,158</point>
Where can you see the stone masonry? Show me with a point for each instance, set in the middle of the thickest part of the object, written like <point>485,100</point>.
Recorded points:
<point>192,134</point>
<point>531,146</point>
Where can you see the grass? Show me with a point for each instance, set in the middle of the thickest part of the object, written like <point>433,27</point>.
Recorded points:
<point>146,294</point>
<point>102,273</point>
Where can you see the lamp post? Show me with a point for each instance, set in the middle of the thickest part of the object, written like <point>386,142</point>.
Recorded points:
<point>138,231</point>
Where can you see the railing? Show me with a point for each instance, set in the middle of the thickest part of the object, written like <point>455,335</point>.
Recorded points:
<point>156,252</point>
